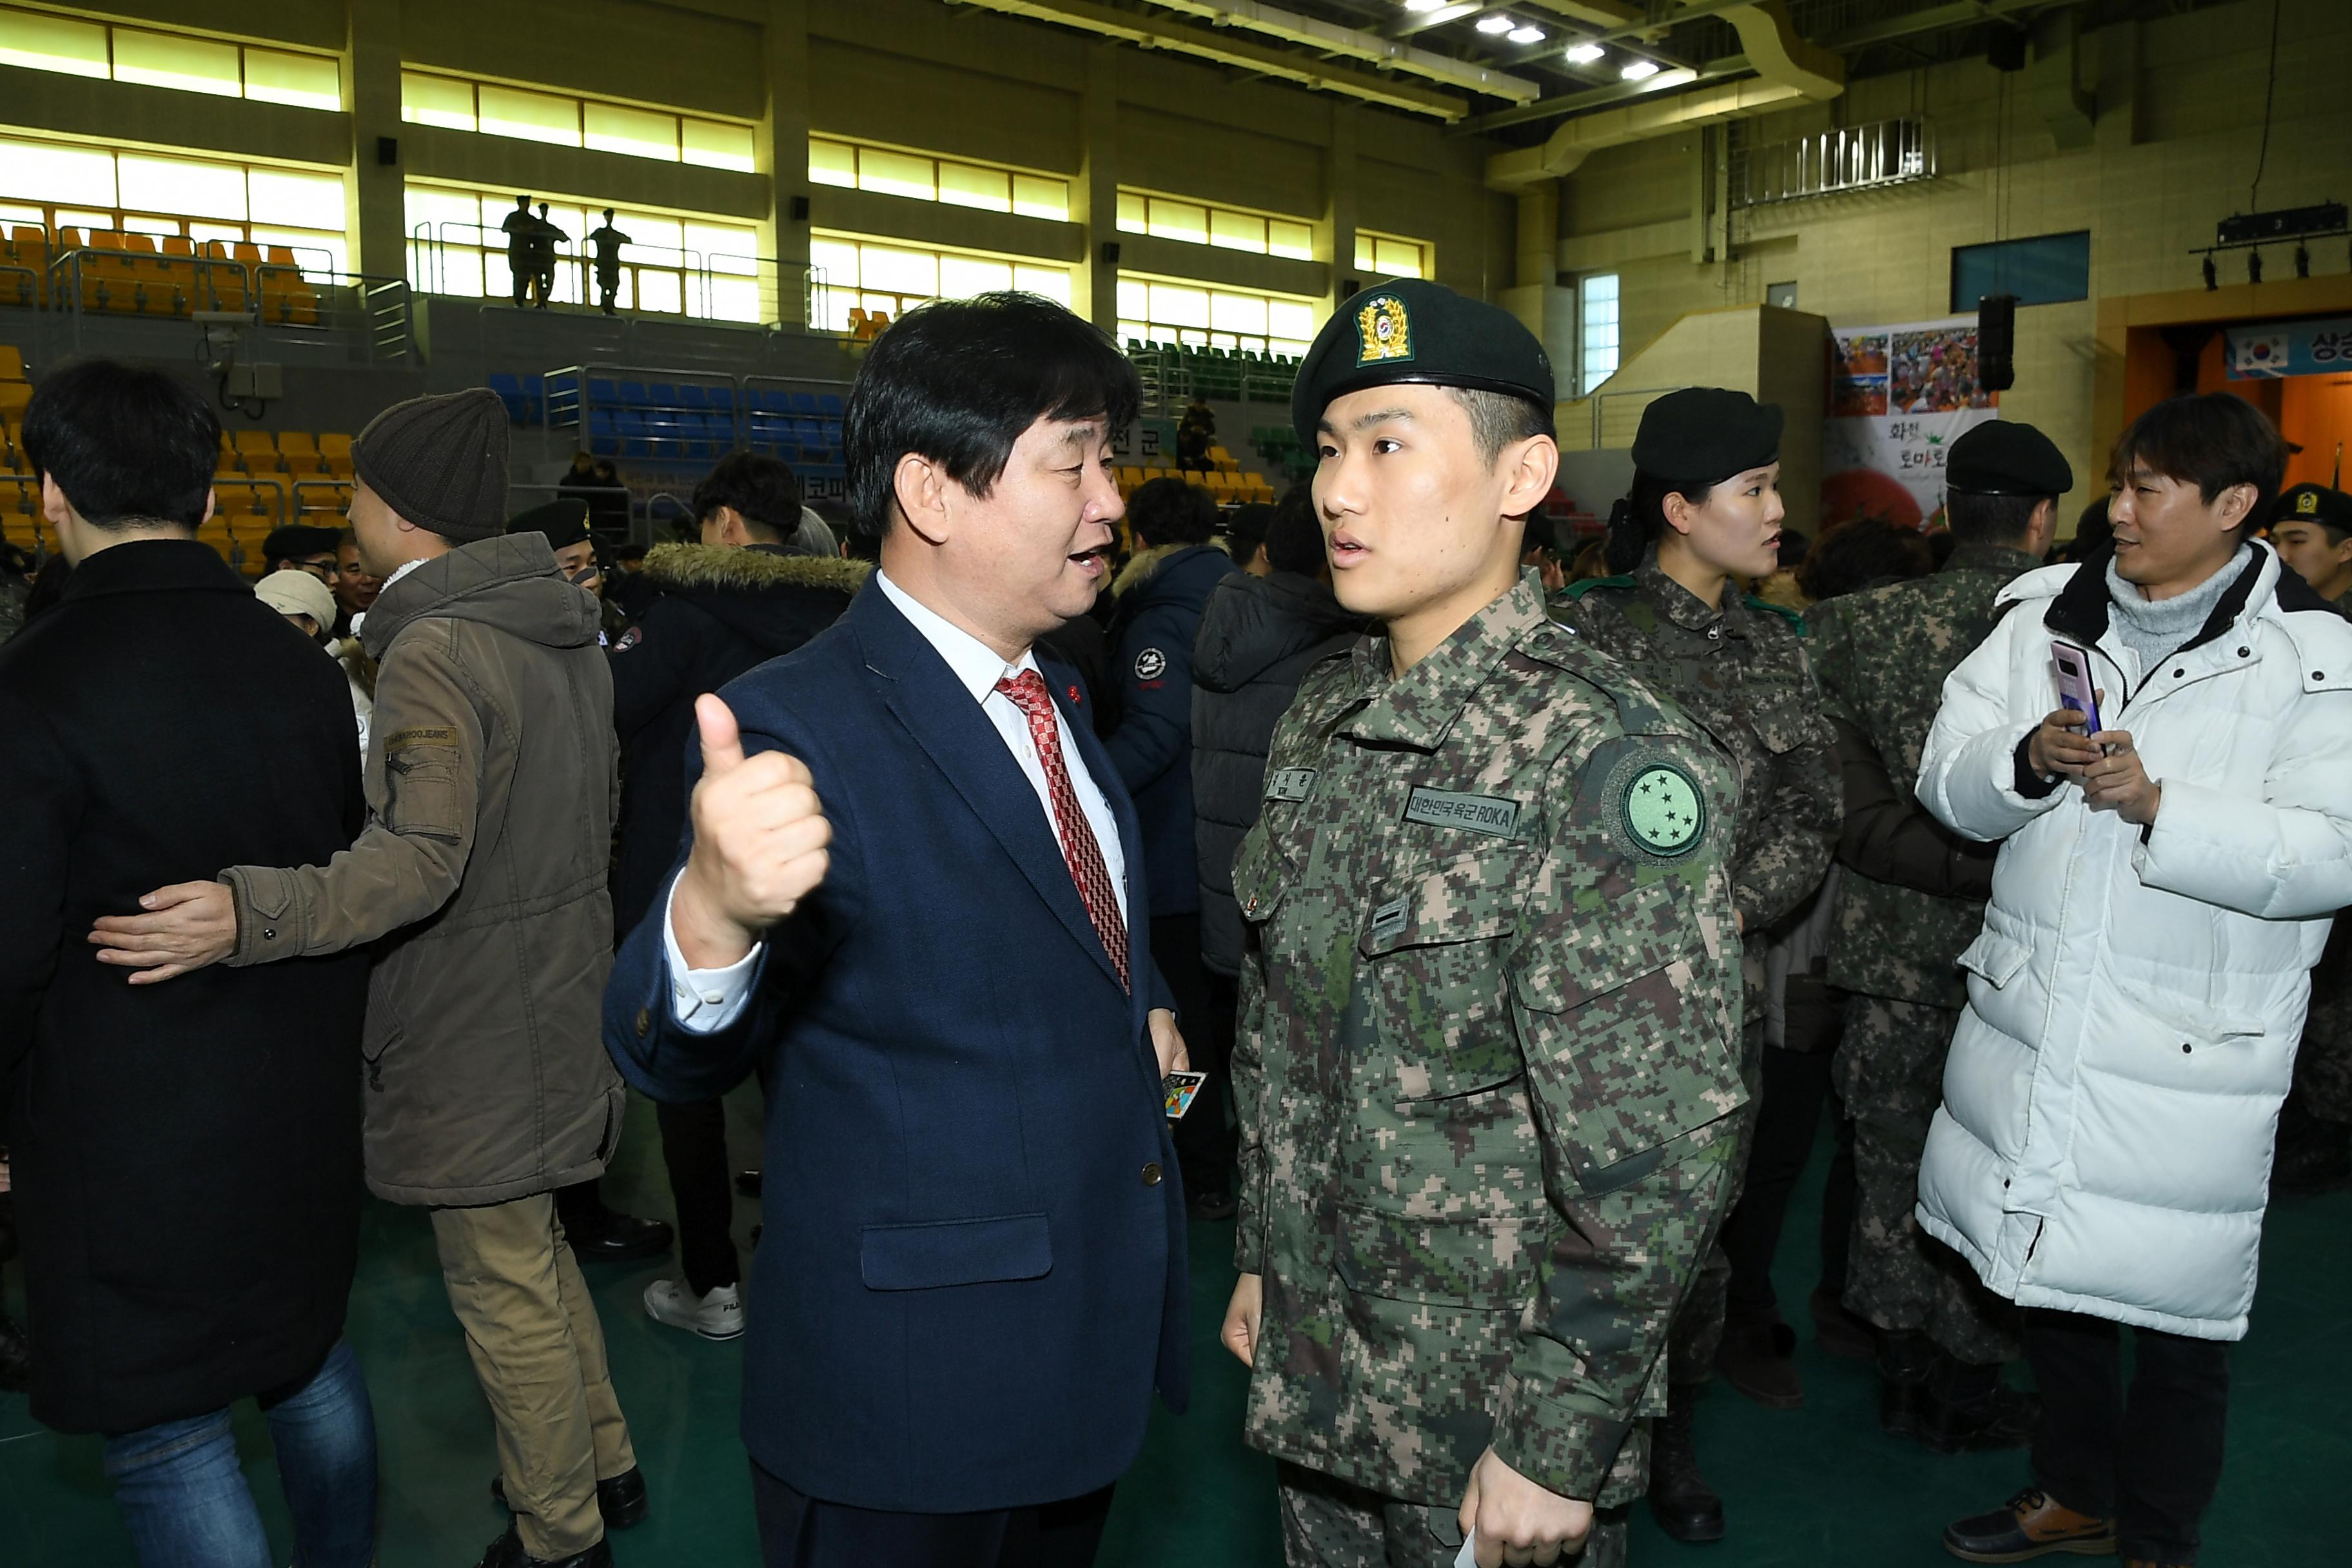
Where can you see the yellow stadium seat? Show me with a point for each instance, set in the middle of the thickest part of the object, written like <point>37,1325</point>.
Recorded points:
<point>12,363</point>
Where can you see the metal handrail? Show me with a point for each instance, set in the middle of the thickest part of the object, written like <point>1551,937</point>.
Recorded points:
<point>698,272</point>
<point>29,292</point>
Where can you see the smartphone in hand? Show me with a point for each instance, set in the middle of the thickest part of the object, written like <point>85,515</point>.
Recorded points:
<point>2075,688</point>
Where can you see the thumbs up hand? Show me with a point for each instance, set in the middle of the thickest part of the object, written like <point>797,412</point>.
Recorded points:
<point>759,837</point>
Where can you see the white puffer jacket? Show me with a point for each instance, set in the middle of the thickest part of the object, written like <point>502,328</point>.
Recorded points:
<point>2113,1090</point>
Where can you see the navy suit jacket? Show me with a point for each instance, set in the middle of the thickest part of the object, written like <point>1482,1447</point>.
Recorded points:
<point>972,1273</point>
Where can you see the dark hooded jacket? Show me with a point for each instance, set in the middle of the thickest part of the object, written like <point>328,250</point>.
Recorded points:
<point>1259,637</point>
<point>720,613</point>
<point>1161,594</point>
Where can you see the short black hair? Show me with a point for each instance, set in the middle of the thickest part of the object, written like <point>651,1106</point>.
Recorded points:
<point>1861,553</point>
<point>959,382</point>
<point>1294,540</point>
<point>1498,419</point>
<point>126,446</point>
<point>1245,528</point>
<point>2212,441</point>
<point>1170,511</point>
<point>764,488</point>
<point>1990,519</point>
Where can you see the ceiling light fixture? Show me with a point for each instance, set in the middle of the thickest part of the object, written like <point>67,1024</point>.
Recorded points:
<point>1497,23</point>
<point>1526,34</point>
<point>1585,54</point>
<point>1423,5</point>
<point>1639,71</point>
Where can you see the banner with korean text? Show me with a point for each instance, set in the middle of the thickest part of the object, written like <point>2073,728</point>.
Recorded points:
<point>1899,396</point>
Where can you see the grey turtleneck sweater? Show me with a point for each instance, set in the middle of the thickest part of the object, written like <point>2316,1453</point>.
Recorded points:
<point>2154,630</point>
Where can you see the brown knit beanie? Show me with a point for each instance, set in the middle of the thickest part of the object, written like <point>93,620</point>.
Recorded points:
<point>440,462</point>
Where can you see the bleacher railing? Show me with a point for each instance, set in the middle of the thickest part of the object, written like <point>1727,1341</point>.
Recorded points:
<point>370,312</point>
<point>652,414</point>
<point>709,286</point>
<point>1173,376</point>
<point>21,287</point>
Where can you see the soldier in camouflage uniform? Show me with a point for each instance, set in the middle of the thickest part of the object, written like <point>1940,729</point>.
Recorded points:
<point>1912,899</point>
<point>2312,527</point>
<point>1737,665</point>
<point>1486,1065</point>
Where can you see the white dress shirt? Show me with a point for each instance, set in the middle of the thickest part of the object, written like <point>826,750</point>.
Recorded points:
<point>704,1001</point>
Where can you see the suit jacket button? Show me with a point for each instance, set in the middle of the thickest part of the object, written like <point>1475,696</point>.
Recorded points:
<point>1151,1174</point>
<point>645,1021</point>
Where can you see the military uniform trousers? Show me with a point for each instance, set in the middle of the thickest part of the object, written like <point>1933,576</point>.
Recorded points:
<point>1697,1329</point>
<point>1331,1523</point>
<point>1890,1072</point>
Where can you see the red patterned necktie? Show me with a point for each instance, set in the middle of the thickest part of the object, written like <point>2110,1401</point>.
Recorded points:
<point>1027,693</point>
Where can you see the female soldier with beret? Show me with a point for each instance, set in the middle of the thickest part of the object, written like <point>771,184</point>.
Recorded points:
<point>1704,515</point>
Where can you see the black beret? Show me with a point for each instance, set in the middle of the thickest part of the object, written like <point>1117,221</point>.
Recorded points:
<point>2003,457</point>
<point>1418,332</point>
<point>2314,504</point>
<point>564,521</point>
<point>1705,435</point>
<point>298,540</point>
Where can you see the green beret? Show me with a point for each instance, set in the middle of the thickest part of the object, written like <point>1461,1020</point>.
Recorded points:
<point>564,521</point>
<point>1705,435</point>
<point>1421,333</point>
<point>2314,504</point>
<point>2003,457</point>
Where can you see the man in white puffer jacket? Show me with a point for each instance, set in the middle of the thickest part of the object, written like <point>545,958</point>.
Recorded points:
<point>2164,886</point>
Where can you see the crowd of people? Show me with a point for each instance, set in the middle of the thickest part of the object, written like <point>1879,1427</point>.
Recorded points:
<point>1483,925</point>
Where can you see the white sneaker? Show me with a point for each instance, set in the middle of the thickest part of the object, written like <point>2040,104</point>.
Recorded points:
<point>718,1315</point>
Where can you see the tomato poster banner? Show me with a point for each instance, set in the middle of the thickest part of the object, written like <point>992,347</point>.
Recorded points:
<point>1899,396</point>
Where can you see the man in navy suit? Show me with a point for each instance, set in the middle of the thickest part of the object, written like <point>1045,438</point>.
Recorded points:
<point>972,1276</point>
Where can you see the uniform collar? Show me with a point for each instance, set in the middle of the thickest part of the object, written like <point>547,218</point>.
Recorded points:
<point>2001,558</point>
<point>1685,608</point>
<point>1418,708</point>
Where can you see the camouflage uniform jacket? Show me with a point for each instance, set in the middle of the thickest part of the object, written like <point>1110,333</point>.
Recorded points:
<point>1882,655</point>
<point>1489,1046</point>
<point>1741,671</point>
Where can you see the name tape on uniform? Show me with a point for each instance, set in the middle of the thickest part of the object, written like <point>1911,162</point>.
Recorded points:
<point>1290,784</point>
<point>1494,814</point>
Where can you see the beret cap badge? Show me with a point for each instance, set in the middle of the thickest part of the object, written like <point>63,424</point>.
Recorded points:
<point>1383,331</point>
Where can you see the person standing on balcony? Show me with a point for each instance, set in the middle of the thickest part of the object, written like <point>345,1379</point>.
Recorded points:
<point>519,227</point>
<point>608,241</point>
<point>545,237</point>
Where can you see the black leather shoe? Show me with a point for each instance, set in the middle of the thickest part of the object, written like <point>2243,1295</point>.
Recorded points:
<point>1968,1410</point>
<point>16,1357</point>
<point>625,1239</point>
<point>2032,1525</point>
<point>1682,1502</point>
<point>1754,1359</point>
<point>506,1551</point>
<point>1212,1205</point>
<point>622,1500</point>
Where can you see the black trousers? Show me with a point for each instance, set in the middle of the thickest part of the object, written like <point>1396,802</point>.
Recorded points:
<point>694,1148</point>
<point>1795,1086</point>
<point>2150,1456</point>
<point>1204,1145</point>
<point>801,1532</point>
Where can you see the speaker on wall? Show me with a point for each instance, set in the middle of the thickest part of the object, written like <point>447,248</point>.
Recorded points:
<point>1110,253</point>
<point>800,209</point>
<point>1997,341</point>
<point>387,150</point>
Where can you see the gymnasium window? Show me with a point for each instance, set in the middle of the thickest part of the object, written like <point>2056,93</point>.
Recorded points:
<point>894,172</point>
<point>562,119</point>
<point>1195,315</point>
<point>676,263</point>
<point>62,186</point>
<point>1597,342</point>
<point>35,40</point>
<point>1225,228</point>
<point>2047,269</point>
<point>1387,255</point>
<point>885,276</point>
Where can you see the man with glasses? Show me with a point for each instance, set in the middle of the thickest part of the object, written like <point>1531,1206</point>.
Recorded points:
<point>300,547</point>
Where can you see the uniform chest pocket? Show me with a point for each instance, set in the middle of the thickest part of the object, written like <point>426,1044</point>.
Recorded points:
<point>1430,951</point>
<point>1631,1012</point>
<point>1787,726</point>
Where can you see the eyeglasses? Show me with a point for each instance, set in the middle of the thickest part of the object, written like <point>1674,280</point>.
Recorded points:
<point>322,570</point>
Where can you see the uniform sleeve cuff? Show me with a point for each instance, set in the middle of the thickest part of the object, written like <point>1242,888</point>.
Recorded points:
<point>268,915</point>
<point>1561,1448</point>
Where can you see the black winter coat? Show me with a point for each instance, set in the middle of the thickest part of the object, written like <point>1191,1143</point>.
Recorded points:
<point>720,613</point>
<point>1259,637</point>
<point>185,1156</point>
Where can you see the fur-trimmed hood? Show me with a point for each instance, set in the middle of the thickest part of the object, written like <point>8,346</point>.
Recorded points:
<point>774,600</point>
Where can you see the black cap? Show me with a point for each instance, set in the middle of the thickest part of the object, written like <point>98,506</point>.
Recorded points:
<point>564,521</point>
<point>298,540</point>
<point>2003,457</point>
<point>1703,435</point>
<point>2314,504</point>
<point>1418,332</point>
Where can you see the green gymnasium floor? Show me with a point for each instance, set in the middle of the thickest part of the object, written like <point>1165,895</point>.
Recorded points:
<point>1817,1486</point>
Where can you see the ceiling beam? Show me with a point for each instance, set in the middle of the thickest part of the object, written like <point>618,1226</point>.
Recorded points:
<point>1221,46</point>
<point>1382,53</point>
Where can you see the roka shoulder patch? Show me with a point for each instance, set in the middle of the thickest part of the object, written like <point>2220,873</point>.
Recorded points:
<point>1290,784</point>
<point>1496,816</point>
<point>1663,809</point>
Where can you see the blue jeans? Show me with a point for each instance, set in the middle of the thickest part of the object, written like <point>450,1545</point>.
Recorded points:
<point>186,1503</point>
